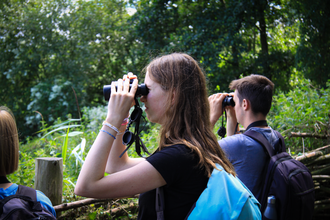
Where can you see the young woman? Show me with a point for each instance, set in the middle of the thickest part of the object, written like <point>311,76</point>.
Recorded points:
<point>187,152</point>
<point>9,153</point>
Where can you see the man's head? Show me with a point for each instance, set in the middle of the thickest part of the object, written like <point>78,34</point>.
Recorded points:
<point>257,89</point>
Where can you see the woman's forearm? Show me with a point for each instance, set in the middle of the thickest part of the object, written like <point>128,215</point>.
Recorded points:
<point>93,168</point>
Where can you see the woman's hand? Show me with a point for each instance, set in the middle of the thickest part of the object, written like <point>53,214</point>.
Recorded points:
<point>122,99</point>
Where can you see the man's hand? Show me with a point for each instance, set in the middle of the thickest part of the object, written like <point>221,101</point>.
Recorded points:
<point>231,118</point>
<point>216,110</point>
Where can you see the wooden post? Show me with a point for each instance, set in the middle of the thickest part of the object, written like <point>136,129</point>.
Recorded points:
<point>49,178</point>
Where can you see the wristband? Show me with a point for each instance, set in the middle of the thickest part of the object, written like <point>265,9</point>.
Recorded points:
<point>108,133</point>
<point>110,126</point>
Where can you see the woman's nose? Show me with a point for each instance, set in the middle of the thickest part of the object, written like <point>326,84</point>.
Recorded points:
<point>143,98</point>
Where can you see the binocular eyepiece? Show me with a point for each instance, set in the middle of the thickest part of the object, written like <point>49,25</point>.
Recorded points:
<point>228,101</point>
<point>141,90</point>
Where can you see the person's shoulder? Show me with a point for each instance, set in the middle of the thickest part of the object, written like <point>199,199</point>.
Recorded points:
<point>237,140</point>
<point>180,148</point>
<point>173,153</point>
<point>45,202</point>
<point>233,139</point>
<point>11,190</point>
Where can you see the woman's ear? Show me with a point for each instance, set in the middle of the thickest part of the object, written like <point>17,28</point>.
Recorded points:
<point>173,97</point>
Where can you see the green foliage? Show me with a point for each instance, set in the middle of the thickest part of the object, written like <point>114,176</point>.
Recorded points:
<point>229,38</point>
<point>56,55</point>
<point>304,109</point>
<point>313,54</point>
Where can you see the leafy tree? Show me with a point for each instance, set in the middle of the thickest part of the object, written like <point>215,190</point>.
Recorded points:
<point>313,54</point>
<point>56,55</point>
<point>230,38</point>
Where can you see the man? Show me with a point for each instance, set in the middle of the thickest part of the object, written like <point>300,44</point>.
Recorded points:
<point>253,99</point>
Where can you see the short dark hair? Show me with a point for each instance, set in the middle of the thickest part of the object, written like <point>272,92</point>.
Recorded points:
<point>8,142</point>
<point>257,89</point>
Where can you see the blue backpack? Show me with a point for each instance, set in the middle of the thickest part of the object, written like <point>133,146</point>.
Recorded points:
<point>225,197</point>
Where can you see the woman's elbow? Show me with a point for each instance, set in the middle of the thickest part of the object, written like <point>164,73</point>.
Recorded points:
<point>81,190</point>
<point>78,191</point>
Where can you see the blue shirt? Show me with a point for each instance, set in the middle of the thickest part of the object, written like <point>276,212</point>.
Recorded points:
<point>248,157</point>
<point>42,198</point>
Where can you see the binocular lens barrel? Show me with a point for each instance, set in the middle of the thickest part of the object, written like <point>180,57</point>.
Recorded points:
<point>141,90</point>
<point>228,101</point>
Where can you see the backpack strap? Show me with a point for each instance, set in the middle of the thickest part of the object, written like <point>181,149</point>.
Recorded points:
<point>160,204</point>
<point>24,193</point>
<point>265,143</point>
<point>262,140</point>
<point>282,144</point>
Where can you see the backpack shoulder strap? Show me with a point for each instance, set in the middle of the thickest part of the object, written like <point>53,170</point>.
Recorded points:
<point>282,143</point>
<point>262,140</point>
<point>27,191</point>
<point>160,204</point>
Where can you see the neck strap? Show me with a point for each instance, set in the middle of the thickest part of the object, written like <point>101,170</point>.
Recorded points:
<point>257,123</point>
<point>3,179</point>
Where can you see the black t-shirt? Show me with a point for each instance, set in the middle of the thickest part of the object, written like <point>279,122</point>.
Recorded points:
<point>185,181</point>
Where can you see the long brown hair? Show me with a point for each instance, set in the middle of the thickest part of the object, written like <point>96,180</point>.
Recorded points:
<point>187,117</point>
<point>8,142</point>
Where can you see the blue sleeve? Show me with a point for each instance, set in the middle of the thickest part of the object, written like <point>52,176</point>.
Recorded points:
<point>45,202</point>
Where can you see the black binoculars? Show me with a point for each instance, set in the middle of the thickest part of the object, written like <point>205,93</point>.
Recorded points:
<point>228,101</point>
<point>141,90</point>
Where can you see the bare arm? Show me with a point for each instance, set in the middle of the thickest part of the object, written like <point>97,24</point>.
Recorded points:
<point>129,176</point>
<point>116,163</point>
<point>231,120</point>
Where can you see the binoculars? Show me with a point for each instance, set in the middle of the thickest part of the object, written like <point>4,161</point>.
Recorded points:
<point>141,90</point>
<point>228,101</point>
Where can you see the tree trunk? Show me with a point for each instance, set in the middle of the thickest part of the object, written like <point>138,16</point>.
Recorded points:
<point>260,11</point>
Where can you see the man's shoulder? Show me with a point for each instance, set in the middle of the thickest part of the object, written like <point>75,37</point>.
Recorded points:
<point>237,140</point>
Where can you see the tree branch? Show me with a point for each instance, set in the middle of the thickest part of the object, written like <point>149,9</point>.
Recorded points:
<point>80,203</point>
<point>294,134</point>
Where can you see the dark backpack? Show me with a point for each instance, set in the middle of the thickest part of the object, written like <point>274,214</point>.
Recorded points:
<point>23,205</point>
<point>288,180</point>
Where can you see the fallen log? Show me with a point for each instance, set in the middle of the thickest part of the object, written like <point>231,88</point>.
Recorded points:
<point>321,177</point>
<point>80,203</point>
<point>324,170</point>
<point>306,158</point>
<point>317,167</point>
<point>320,160</point>
<point>322,201</point>
<point>320,136</point>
